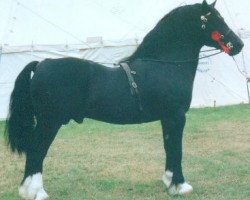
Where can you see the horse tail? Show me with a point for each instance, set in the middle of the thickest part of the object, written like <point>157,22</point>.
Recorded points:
<point>20,122</point>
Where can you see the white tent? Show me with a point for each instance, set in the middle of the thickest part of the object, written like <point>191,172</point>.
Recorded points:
<point>106,31</point>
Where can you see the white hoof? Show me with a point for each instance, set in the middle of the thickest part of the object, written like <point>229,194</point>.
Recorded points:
<point>32,188</point>
<point>167,178</point>
<point>180,189</point>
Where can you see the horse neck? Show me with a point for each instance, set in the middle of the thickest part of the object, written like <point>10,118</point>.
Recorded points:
<point>170,44</point>
<point>180,52</point>
<point>182,49</point>
<point>184,44</point>
<point>185,53</point>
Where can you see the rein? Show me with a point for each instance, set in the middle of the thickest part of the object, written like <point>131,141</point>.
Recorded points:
<point>177,62</point>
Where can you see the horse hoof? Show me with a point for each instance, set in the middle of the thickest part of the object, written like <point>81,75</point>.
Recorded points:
<point>180,189</point>
<point>167,178</point>
<point>41,195</point>
<point>32,188</point>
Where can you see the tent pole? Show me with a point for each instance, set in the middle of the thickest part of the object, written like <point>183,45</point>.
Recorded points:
<point>248,93</point>
<point>1,51</point>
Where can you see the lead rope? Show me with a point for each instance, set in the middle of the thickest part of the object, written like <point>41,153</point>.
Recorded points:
<point>247,79</point>
<point>243,74</point>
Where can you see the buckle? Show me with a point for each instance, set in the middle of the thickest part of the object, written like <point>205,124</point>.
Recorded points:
<point>134,85</point>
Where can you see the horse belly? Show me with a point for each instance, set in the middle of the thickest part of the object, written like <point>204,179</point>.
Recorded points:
<point>119,118</point>
<point>118,108</point>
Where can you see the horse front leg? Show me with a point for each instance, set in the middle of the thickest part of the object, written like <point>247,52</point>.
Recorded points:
<point>172,126</point>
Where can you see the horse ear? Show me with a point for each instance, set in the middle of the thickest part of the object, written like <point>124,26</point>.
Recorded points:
<point>213,4</point>
<point>204,5</point>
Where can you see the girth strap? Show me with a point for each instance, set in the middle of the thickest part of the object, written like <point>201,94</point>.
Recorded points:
<point>133,86</point>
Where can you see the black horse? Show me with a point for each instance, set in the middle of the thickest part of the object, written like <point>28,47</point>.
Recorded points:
<point>163,68</point>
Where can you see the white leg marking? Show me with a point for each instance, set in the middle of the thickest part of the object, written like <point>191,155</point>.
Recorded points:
<point>23,188</point>
<point>167,178</point>
<point>180,189</point>
<point>32,188</point>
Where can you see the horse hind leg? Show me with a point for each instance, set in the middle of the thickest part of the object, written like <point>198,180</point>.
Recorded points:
<point>32,183</point>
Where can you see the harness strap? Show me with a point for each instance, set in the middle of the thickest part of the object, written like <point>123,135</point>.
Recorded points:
<point>133,86</point>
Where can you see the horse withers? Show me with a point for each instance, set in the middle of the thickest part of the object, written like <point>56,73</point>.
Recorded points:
<point>69,88</point>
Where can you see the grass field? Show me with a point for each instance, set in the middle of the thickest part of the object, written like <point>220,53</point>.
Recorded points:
<point>98,161</point>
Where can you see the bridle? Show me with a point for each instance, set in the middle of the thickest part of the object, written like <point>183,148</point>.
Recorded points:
<point>216,35</point>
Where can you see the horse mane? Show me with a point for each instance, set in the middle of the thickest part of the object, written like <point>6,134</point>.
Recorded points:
<point>162,35</point>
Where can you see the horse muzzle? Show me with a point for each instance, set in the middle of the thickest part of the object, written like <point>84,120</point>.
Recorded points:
<point>233,43</point>
<point>235,46</point>
<point>230,43</point>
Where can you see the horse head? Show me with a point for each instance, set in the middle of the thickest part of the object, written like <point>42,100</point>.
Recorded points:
<point>216,32</point>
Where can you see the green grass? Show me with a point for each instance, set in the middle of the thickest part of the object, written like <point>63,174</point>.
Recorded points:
<point>100,161</point>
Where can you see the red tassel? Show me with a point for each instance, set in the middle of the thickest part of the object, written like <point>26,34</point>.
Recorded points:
<point>216,37</point>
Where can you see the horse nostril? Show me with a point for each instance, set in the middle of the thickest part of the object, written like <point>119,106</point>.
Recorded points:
<point>241,44</point>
